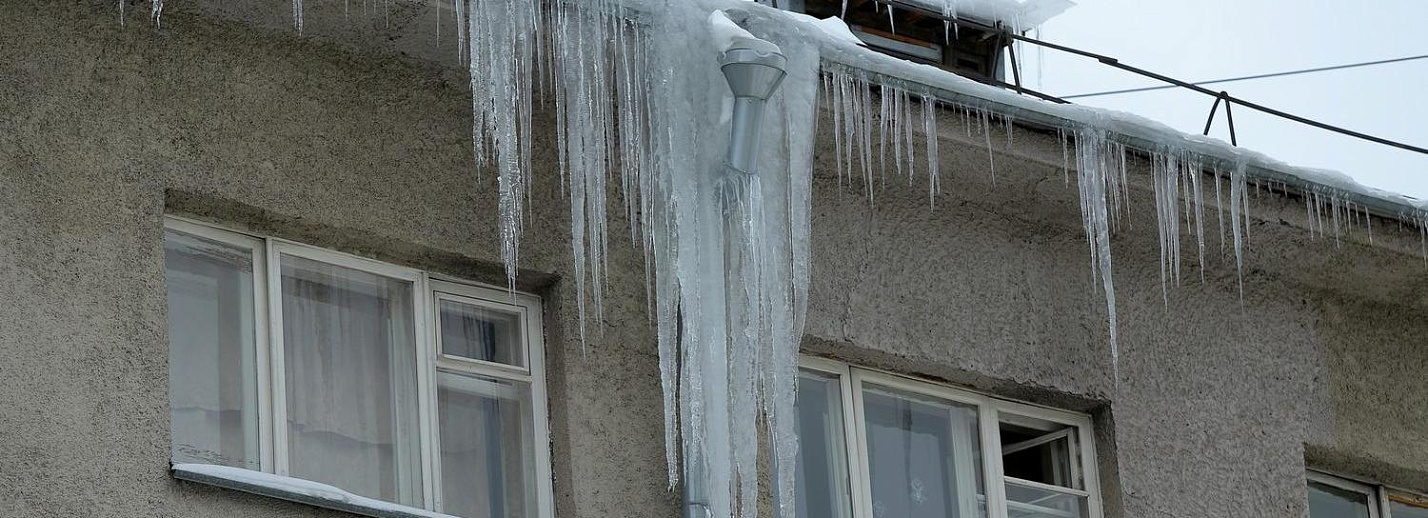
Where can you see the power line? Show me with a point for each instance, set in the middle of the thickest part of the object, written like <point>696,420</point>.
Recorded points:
<point>1245,78</point>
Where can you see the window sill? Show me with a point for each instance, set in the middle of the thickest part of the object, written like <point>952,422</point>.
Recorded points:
<point>296,490</point>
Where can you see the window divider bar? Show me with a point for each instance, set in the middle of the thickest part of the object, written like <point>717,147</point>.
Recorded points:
<point>1032,443</point>
<point>427,433</point>
<point>989,425</point>
<point>1046,487</point>
<point>854,461</point>
<point>863,494</point>
<point>1090,470</point>
<point>263,352</point>
<point>279,402</point>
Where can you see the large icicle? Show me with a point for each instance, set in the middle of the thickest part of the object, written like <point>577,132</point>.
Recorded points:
<point>1094,184</point>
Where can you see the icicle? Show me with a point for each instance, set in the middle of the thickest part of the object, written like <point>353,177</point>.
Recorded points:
<point>1368,221</point>
<point>1199,202</point>
<point>1065,158</point>
<point>1091,178</point>
<point>297,15</point>
<point>1335,206</point>
<point>929,129</point>
<point>1165,175</point>
<point>885,115</point>
<point>1007,127</point>
<point>1238,199</point>
<point>986,125</point>
<point>905,116</point>
<point>863,107</point>
<point>895,126</point>
<point>1220,209</point>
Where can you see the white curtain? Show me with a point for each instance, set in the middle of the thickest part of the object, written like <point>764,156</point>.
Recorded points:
<point>485,447</point>
<point>350,359</point>
<point>923,455</point>
<point>478,333</point>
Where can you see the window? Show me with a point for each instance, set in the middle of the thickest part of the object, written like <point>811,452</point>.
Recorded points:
<point>877,445</point>
<point>379,380</point>
<point>1335,497</point>
<point>975,50</point>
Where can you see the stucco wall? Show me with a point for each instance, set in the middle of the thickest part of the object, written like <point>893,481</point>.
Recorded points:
<point>104,128</point>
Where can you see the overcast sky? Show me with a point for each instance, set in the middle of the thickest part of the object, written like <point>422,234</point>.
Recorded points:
<point>1198,40</point>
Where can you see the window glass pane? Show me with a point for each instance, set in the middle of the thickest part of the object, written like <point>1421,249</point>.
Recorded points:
<point>350,360</point>
<point>480,333</point>
<point>487,457</point>
<point>1326,501</point>
<point>1030,501</point>
<point>1408,506</point>
<point>924,455</point>
<point>822,468</point>
<point>213,398</point>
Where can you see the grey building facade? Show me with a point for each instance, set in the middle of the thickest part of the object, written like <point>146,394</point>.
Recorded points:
<point>355,138</point>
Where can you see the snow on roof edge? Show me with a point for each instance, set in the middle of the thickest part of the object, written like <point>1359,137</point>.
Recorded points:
<point>1020,15</point>
<point>1157,135</point>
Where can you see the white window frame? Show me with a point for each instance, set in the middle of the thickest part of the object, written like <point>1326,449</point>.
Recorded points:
<point>989,411</point>
<point>427,290</point>
<point>1378,495</point>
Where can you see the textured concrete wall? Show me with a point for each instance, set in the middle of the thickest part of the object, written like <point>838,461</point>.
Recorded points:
<point>104,128</point>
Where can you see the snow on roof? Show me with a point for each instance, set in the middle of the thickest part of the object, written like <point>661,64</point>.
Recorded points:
<point>1141,132</point>
<point>1020,15</point>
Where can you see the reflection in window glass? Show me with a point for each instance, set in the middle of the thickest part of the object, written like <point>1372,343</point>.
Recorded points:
<point>350,355</point>
<point>1407,506</point>
<point>479,333</point>
<point>924,456</point>
<point>1326,501</point>
<point>213,398</point>
<point>487,452</point>
<point>822,468</point>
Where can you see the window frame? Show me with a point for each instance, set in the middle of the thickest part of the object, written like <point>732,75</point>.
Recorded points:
<point>989,410</point>
<point>1377,504</point>
<point>1380,496</point>
<point>427,290</point>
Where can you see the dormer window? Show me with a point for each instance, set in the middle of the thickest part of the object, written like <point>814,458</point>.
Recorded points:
<point>917,34</point>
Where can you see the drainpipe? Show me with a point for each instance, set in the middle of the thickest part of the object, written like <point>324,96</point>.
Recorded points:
<point>754,69</point>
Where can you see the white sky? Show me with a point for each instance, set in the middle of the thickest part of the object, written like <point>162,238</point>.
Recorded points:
<point>1197,40</point>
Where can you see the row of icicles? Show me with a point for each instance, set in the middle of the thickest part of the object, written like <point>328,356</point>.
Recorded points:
<point>874,126</point>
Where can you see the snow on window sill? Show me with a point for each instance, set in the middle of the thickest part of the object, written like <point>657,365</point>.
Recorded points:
<point>296,490</point>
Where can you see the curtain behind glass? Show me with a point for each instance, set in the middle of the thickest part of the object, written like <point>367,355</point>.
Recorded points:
<point>487,453</point>
<point>212,378</point>
<point>487,468</point>
<point>479,333</point>
<point>350,359</point>
<point>923,455</point>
